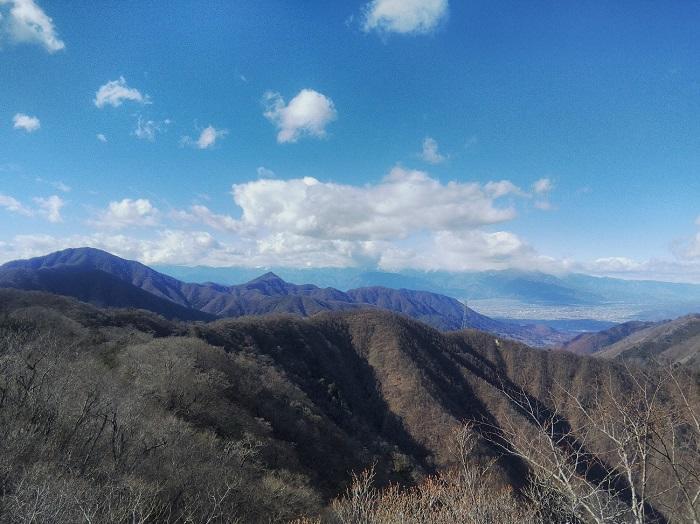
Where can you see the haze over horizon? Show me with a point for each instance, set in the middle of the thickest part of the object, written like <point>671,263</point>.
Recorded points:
<point>428,135</point>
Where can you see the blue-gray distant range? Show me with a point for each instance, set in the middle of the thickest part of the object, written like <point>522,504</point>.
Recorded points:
<point>105,280</point>
<point>536,309</point>
<point>573,302</point>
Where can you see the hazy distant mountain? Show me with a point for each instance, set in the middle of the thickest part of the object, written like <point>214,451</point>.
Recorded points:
<point>652,300</point>
<point>589,343</point>
<point>266,294</point>
<point>671,341</point>
<point>520,285</point>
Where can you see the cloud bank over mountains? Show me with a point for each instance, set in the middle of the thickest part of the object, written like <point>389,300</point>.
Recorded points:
<point>408,219</point>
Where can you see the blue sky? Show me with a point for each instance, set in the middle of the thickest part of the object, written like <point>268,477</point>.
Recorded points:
<point>559,136</point>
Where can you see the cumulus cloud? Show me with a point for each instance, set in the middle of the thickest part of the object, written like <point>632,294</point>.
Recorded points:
<point>404,16</point>
<point>403,203</point>
<point>430,152</point>
<point>26,22</point>
<point>50,208</point>
<point>406,220</point>
<point>102,138</point>
<point>307,114</point>
<point>115,92</point>
<point>127,213</point>
<point>26,123</point>
<point>166,247</point>
<point>470,250</point>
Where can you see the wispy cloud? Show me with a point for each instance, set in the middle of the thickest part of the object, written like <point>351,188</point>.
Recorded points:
<point>13,205</point>
<point>541,189</point>
<point>207,138</point>
<point>148,129</point>
<point>50,207</point>
<point>431,153</point>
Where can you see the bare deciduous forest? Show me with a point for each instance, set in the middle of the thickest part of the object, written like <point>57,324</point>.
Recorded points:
<point>122,416</point>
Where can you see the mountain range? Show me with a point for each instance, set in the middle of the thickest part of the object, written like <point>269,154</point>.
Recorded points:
<point>508,294</point>
<point>103,279</point>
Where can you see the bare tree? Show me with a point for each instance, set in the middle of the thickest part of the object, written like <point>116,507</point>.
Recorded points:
<point>621,454</point>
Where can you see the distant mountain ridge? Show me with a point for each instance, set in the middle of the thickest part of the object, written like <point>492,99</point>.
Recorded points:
<point>508,294</point>
<point>120,279</point>
<point>590,343</point>
<point>673,341</point>
<point>670,341</point>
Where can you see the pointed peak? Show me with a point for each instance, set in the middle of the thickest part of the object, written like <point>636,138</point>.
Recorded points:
<point>267,277</point>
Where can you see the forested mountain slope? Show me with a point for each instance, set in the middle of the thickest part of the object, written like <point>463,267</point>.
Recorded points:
<point>263,418</point>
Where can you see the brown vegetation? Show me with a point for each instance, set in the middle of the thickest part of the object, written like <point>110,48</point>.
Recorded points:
<point>120,415</point>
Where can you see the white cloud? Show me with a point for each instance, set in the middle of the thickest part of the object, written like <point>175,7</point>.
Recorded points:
<point>26,22</point>
<point>264,172</point>
<point>502,188</point>
<point>430,153</point>
<point>542,186</point>
<point>404,16</point>
<point>115,92</point>
<point>688,249</point>
<point>50,208</point>
<point>202,214</point>
<point>167,247</point>
<point>541,189</point>
<point>307,114</point>
<point>207,138</point>
<point>26,122</point>
<point>127,213</point>
<point>148,129</point>
<point>470,250</point>
<point>615,265</point>
<point>101,138</point>
<point>405,202</point>
<point>64,188</point>
<point>13,205</point>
